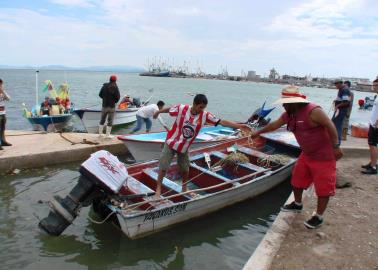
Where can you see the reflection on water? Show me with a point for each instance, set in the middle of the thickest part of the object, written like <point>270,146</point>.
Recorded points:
<point>222,240</point>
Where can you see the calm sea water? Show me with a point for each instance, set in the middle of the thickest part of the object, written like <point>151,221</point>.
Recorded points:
<point>227,99</point>
<point>223,240</point>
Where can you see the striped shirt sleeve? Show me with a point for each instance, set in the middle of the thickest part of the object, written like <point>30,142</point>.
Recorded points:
<point>211,119</point>
<point>174,110</point>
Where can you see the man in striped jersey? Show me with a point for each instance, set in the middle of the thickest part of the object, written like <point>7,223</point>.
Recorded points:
<point>189,120</point>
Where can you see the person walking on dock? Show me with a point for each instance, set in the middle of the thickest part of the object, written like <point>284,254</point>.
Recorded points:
<point>110,96</point>
<point>318,139</point>
<point>371,167</point>
<point>189,120</point>
<point>342,104</point>
<point>145,114</point>
<point>3,119</point>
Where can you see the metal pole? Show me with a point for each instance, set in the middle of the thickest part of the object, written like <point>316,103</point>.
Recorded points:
<point>36,87</point>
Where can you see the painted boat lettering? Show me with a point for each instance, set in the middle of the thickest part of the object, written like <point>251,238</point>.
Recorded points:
<point>165,212</point>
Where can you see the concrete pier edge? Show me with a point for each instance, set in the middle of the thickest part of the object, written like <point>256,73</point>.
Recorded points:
<point>262,257</point>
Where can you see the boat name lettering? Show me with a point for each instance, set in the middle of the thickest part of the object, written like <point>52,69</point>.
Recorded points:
<point>165,212</point>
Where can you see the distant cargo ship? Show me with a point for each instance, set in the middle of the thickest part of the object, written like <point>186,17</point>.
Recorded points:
<point>156,73</point>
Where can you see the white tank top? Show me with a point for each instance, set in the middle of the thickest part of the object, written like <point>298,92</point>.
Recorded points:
<point>374,113</point>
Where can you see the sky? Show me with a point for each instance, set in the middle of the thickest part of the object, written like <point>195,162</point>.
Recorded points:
<point>308,37</point>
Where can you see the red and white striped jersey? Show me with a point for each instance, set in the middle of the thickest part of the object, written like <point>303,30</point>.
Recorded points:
<point>186,127</point>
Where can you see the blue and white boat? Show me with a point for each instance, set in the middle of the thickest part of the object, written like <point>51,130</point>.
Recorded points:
<point>148,146</point>
<point>47,123</point>
<point>55,122</point>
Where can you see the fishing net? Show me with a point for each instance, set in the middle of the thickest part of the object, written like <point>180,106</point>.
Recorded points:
<point>234,159</point>
<point>274,160</point>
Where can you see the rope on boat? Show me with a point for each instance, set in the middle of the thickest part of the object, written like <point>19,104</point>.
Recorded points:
<point>233,158</point>
<point>101,222</point>
<point>136,205</point>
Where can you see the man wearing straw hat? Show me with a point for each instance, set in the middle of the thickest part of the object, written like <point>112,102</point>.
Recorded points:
<point>318,139</point>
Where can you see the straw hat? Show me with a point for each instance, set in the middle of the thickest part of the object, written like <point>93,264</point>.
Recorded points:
<point>290,94</point>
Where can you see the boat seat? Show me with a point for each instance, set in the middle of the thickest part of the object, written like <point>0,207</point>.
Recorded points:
<point>227,131</point>
<point>166,182</point>
<point>213,133</point>
<point>208,172</point>
<point>250,166</point>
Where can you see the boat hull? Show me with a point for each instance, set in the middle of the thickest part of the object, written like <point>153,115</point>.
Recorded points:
<point>154,221</point>
<point>49,123</point>
<point>91,118</point>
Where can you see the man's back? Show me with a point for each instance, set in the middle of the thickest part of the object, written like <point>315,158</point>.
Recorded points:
<point>109,94</point>
<point>148,111</point>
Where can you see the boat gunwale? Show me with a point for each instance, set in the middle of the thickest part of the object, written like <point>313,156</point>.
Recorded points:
<point>264,175</point>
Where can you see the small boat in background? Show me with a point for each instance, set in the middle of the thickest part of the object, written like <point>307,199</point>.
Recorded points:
<point>219,176</point>
<point>59,114</point>
<point>91,117</point>
<point>367,103</point>
<point>147,146</point>
<point>125,113</point>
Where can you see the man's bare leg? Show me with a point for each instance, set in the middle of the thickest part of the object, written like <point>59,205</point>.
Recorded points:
<point>322,205</point>
<point>185,179</point>
<point>159,182</point>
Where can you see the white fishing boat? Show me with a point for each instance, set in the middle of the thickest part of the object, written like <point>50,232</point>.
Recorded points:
<point>147,146</point>
<point>217,180</point>
<point>91,117</point>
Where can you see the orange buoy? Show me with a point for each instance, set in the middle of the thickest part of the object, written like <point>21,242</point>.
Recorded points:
<point>360,130</point>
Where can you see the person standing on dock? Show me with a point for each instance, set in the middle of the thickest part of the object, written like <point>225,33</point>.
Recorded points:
<point>189,120</point>
<point>342,104</point>
<point>318,139</point>
<point>3,119</point>
<point>371,167</point>
<point>145,114</point>
<point>349,111</point>
<point>110,96</point>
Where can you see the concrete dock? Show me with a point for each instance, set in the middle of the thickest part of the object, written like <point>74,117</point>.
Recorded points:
<point>32,149</point>
<point>345,241</point>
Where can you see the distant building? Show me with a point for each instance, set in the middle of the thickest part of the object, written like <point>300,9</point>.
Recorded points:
<point>252,76</point>
<point>273,75</point>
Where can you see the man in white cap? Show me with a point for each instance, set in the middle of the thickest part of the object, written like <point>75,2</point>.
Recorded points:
<point>318,139</point>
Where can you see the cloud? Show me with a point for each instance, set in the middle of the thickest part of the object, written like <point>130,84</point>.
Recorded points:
<point>305,36</point>
<point>74,3</point>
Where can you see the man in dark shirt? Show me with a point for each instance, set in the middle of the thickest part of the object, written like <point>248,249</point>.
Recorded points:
<point>46,106</point>
<point>110,96</point>
<point>342,103</point>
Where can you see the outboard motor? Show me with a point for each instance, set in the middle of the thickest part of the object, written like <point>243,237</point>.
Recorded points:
<point>101,175</point>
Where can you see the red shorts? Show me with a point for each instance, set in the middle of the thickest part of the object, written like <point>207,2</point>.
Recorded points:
<point>320,172</point>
